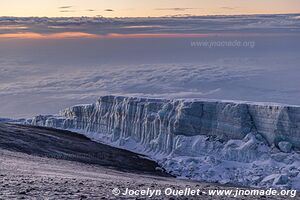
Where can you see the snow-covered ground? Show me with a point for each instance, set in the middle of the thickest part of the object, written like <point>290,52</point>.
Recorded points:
<point>246,162</point>
<point>216,141</point>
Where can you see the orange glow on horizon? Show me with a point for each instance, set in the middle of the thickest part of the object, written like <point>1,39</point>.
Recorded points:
<point>74,35</point>
<point>78,35</point>
<point>63,35</point>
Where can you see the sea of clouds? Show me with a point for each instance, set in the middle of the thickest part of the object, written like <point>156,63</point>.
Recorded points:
<point>43,76</point>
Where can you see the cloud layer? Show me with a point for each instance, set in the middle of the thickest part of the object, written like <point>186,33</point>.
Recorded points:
<point>153,57</point>
<point>191,25</point>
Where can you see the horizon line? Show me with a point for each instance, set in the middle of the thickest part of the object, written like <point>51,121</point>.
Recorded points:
<point>164,16</point>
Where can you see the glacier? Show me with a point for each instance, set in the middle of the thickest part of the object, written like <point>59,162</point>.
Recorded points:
<point>242,143</point>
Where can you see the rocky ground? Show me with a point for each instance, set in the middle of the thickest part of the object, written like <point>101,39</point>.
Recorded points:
<point>42,163</point>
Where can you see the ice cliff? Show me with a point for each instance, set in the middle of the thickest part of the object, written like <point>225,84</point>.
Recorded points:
<point>227,142</point>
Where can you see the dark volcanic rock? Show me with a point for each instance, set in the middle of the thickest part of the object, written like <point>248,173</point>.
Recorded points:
<point>66,145</point>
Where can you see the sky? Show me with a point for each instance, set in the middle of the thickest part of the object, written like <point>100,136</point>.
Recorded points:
<point>144,8</point>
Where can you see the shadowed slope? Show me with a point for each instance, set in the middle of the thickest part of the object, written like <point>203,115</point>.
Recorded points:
<point>66,145</point>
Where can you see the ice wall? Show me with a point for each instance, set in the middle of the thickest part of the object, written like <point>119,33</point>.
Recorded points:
<point>146,119</point>
<point>197,139</point>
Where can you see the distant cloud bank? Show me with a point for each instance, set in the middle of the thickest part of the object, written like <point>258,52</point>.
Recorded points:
<point>288,23</point>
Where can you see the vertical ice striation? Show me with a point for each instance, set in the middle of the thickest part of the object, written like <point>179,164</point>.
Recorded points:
<point>144,119</point>
<point>194,138</point>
